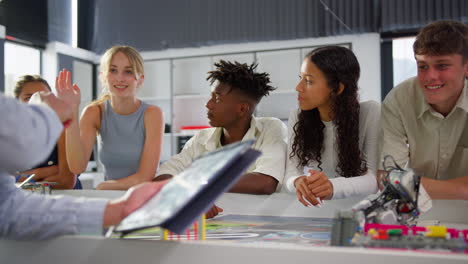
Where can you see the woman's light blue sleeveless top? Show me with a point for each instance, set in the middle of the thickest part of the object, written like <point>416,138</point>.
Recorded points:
<point>121,141</point>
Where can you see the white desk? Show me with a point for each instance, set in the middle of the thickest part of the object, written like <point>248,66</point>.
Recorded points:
<point>75,249</point>
<point>89,180</point>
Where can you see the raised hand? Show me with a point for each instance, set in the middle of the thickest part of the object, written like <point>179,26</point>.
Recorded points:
<point>68,92</point>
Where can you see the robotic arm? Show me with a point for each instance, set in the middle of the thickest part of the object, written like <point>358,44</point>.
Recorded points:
<point>400,202</point>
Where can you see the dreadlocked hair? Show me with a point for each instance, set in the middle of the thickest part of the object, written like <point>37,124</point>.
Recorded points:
<point>339,65</point>
<point>242,77</point>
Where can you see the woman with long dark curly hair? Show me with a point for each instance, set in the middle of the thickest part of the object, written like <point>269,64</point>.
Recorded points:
<point>333,139</point>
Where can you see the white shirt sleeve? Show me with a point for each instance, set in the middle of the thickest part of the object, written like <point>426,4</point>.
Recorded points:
<point>273,148</point>
<point>179,162</point>
<point>367,183</point>
<point>394,138</point>
<point>292,170</point>
<point>24,215</point>
<point>28,133</point>
<point>354,186</point>
<point>372,127</point>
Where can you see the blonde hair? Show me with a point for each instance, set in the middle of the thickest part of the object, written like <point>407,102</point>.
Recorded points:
<point>135,59</point>
<point>23,80</point>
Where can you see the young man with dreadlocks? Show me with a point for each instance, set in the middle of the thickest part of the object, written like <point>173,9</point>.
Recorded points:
<point>236,92</point>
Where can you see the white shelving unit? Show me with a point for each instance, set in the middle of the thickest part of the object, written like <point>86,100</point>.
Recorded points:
<point>189,76</point>
<point>278,104</point>
<point>83,77</point>
<point>156,84</point>
<point>156,90</point>
<point>248,58</point>
<point>190,111</point>
<point>283,66</point>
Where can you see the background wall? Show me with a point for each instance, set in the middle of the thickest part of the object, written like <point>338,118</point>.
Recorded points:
<point>59,23</point>
<point>25,20</point>
<point>162,24</point>
<point>37,22</point>
<point>2,58</point>
<point>408,16</point>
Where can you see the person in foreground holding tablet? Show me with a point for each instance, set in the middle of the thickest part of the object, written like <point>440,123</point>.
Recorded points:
<point>424,119</point>
<point>333,138</point>
<point>30,216</point>
<point>237,91</point>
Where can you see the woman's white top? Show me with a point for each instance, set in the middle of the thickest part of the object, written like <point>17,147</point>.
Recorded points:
<point>369,128</point>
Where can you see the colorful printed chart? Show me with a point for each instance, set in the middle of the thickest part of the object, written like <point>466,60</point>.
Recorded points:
<point>252,228</point>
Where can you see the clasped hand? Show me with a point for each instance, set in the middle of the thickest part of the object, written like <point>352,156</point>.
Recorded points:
<point>313,186</point>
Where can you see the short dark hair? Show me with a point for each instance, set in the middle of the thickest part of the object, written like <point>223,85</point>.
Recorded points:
<point>442,38</point>
<point>23,80</point>
<point>243,78</point>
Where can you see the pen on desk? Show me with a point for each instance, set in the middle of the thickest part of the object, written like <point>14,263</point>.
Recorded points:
<point>27,180</point>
